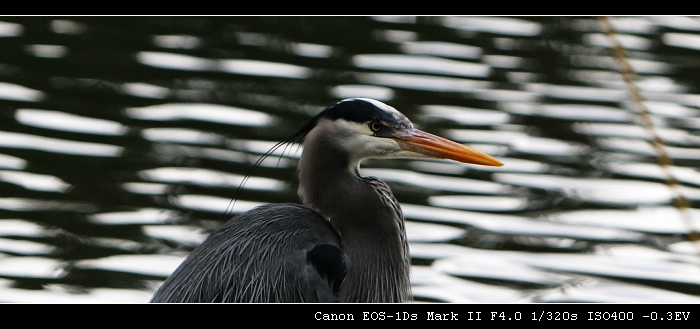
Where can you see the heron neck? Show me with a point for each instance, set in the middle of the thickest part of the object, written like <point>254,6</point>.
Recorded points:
<point>365,215</point>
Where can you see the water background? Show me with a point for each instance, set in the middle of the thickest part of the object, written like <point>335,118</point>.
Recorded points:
<point>123,139</point>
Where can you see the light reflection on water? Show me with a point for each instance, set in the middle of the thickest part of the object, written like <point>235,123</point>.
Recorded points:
<point>661,220</point>
<point>26,141</point>
<point>118,159</point>
<point>13,92</point>
<point>420,64</point>
<point>68,122</point>
<point>201,112</point>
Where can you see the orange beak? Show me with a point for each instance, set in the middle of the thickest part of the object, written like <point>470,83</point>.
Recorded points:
<point>418,141</point>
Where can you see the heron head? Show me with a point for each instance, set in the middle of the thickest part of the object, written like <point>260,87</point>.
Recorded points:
<point>367,128</point>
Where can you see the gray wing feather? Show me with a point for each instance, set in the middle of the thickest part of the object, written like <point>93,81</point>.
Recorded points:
<point>260,256</point>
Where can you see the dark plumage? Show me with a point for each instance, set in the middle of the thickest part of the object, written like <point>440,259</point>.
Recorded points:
<point>231,266</point>
<point>347,243</point>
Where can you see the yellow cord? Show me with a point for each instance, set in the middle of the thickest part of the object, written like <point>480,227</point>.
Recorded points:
<point>665,162</point>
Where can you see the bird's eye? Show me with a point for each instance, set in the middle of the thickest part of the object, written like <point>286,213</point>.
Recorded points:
<point>375,126</point>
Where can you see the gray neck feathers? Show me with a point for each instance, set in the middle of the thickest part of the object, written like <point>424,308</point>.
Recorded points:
<point>365,214</point>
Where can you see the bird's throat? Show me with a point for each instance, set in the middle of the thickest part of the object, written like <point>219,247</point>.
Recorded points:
<point>365,215</point>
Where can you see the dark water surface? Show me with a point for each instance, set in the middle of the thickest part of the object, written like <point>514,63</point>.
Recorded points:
<point>122,141</point>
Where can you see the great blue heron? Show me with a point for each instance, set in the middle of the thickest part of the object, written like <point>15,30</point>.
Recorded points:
<point>347,243</point>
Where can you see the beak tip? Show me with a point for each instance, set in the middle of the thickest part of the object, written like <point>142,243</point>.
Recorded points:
<point>491,162</point>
